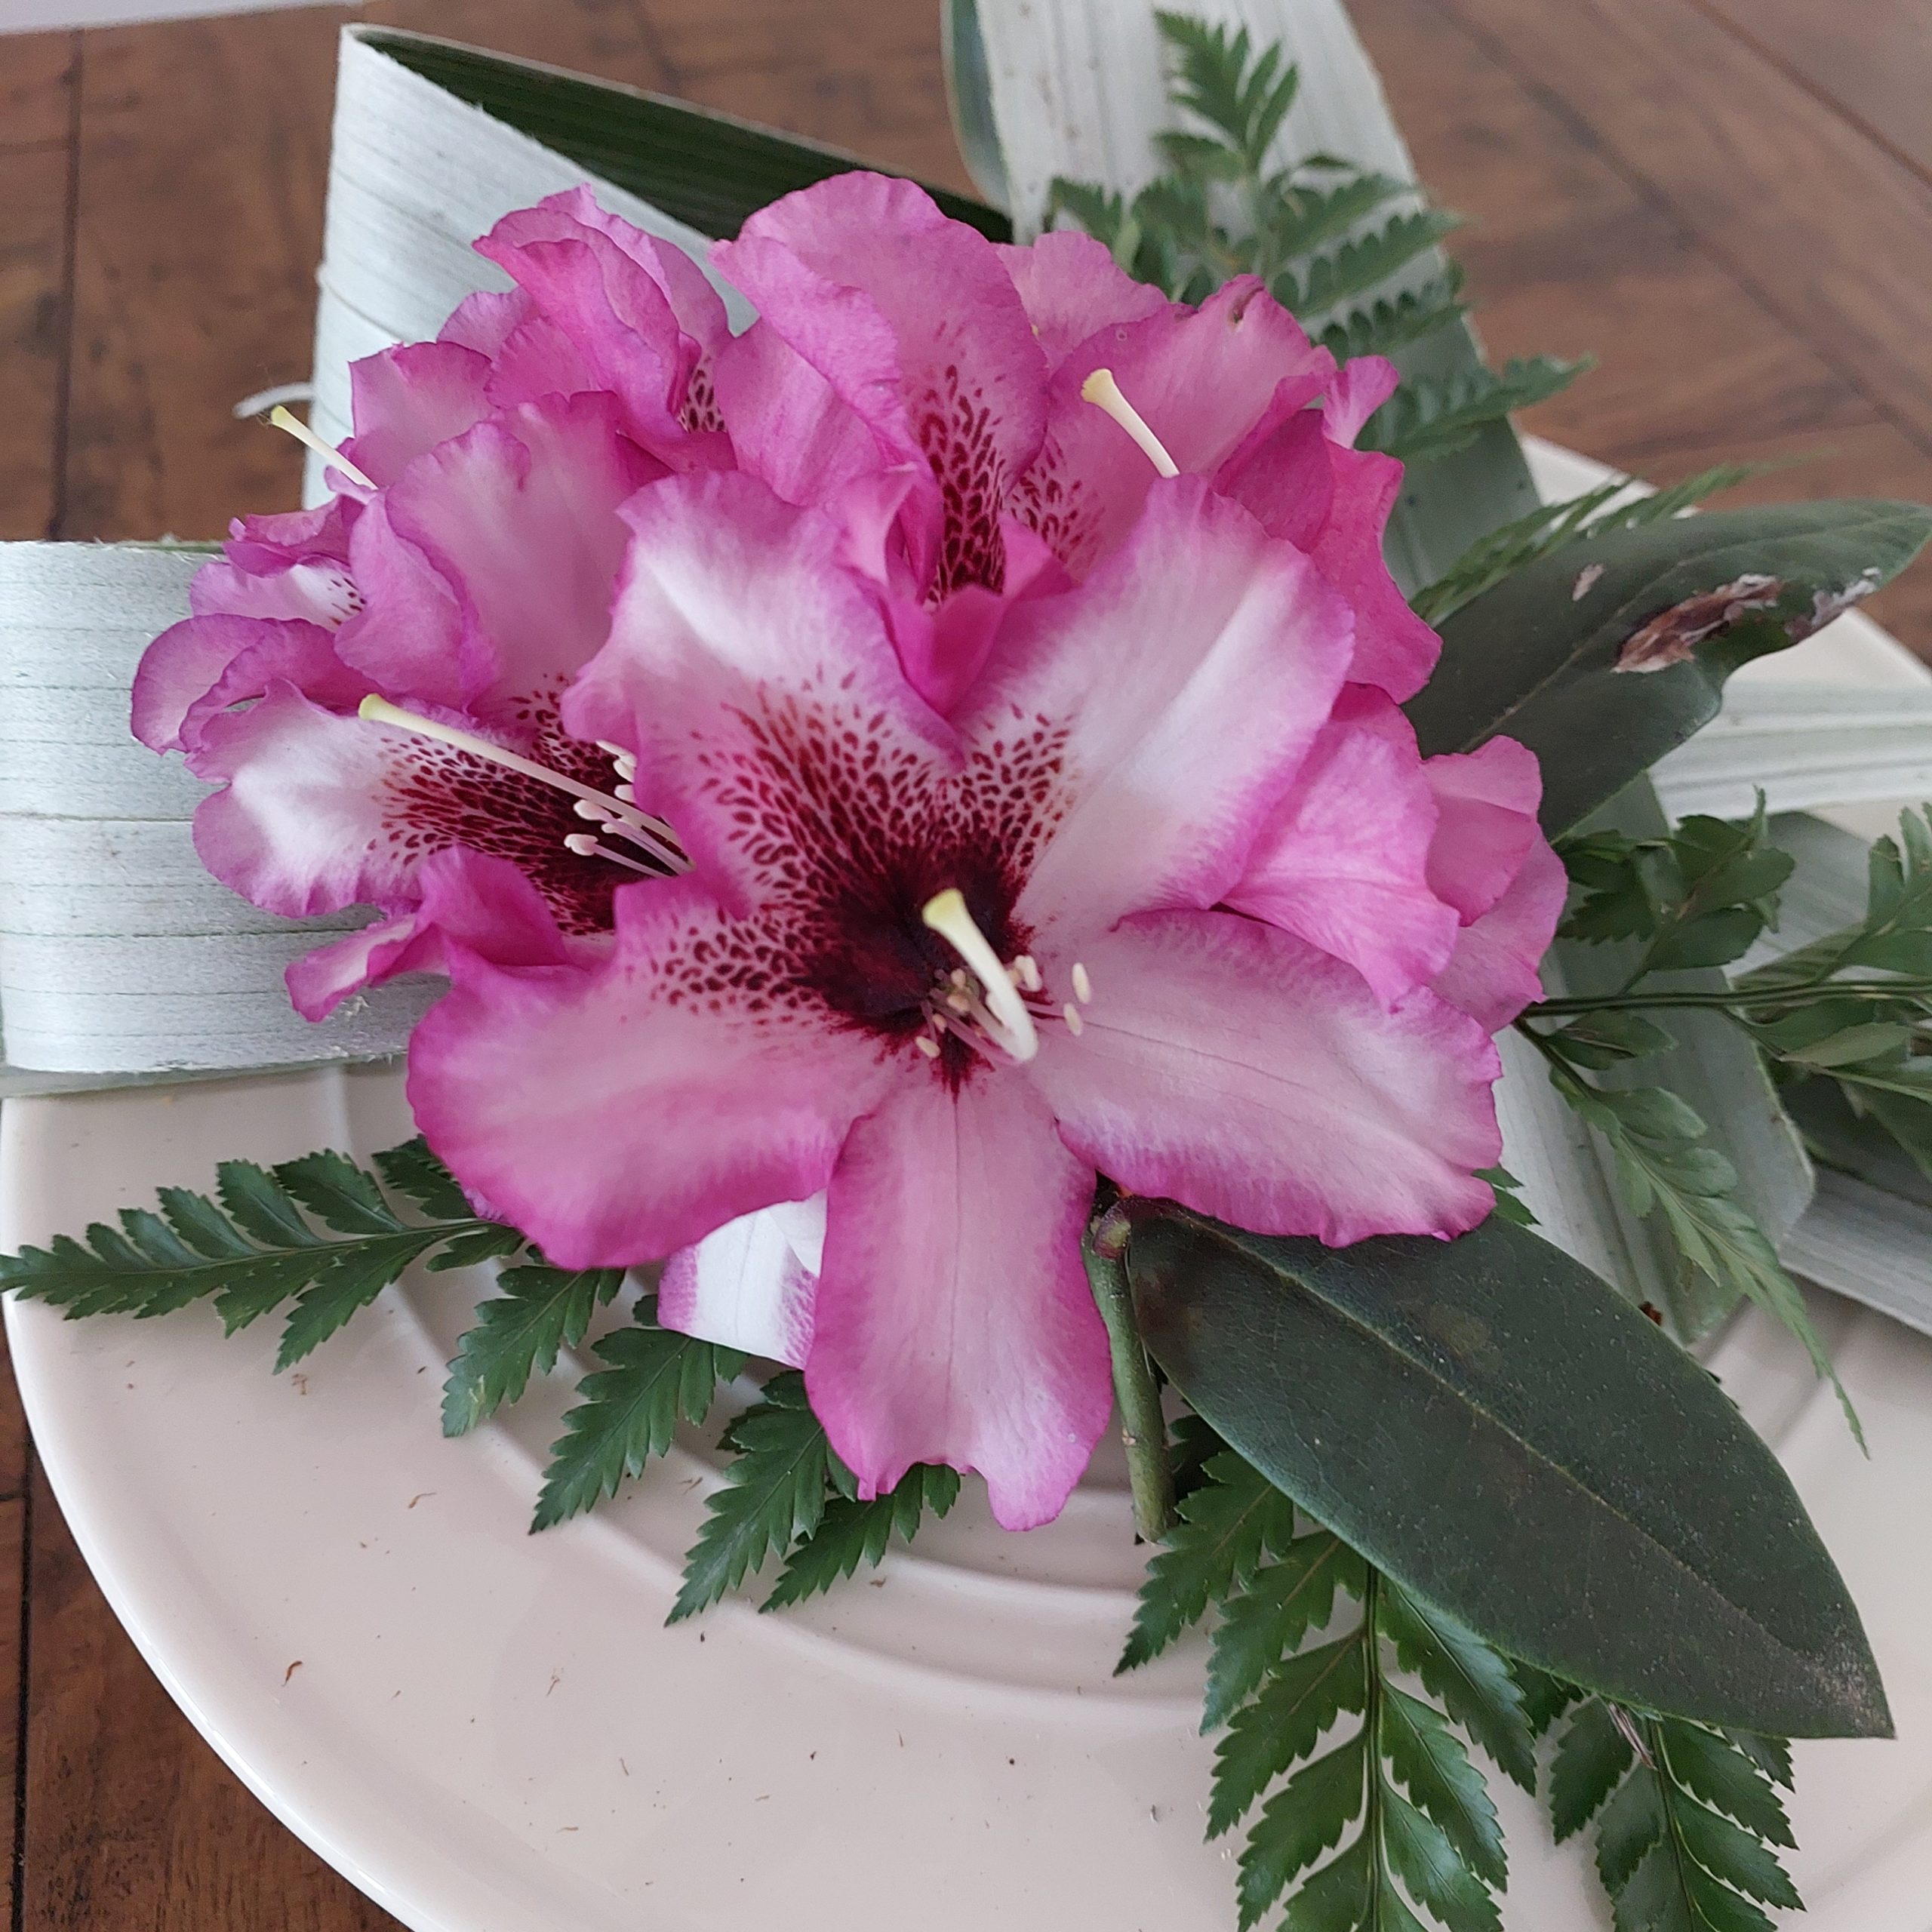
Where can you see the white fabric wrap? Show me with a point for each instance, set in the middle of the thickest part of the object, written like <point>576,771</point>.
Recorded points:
<point>118,954</point>
<point>415,176</point>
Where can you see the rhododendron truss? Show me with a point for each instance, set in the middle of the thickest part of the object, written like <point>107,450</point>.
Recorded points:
<point>868,777</point>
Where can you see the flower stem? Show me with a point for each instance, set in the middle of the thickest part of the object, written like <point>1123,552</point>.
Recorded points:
<point>1803,993</point>
<point>1143,1431</point>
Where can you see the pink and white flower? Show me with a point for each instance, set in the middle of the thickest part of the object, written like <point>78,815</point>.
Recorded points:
<point>978,811</point>
<point>946,969</point>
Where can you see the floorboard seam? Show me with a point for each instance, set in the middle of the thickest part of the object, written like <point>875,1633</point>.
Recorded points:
<point>1710,246</point>
<point>1832,104</point>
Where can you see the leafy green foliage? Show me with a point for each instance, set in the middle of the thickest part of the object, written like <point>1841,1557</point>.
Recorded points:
<point>1232,1519</point>
<point>1551,526</point>
<point>1425,420</point>
<point>1341,247</point>
<point>1352,1378</point>
<point>626,1412</point>
<point>1666,1166</point>
<point>1429,1831</point>
<point>1605,654</point>
<point>1687,1819</point>
<point>541,1311</point>
<point>1702,896</point>
<point>1850,1009</point>
<point>853,1533</point>
<point>319,1231</point>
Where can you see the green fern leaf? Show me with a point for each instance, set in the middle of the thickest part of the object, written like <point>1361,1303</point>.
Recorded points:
<point>1227,1525</point>
<point>773,1495</point>
<point>628,1410</point>
<point>1267,1619</point>
<point>539,1311</point>
<point>253,1248</point>
<point>1302,1698</point>
<point>854,1533</point>
<point>1471,1681</point>
<point>1423,420</point>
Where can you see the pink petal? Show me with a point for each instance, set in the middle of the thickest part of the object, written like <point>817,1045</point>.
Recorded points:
<point>914,323</point>
<point>1344,861</point>
<point>1072,288</point>
<point>1488,800</point>
<point>519,518</point>
<point>788,424</point>
<point>293,565</point>
<point>753,1285</point>
<point>620,312</point>
<point>482,904</point>
<point>1201,378</point>
<point>300,826</point>
<point>408,635</point>
<point>406,401</point>
<point>181,667</point>
<point>1359,388</point>
<point>955,1324</point>
<point>1233,1069</point>
<point>1192,671</point>
<point>320,981</point>
<point>1298,475</point>
<point>1495,971</point>
<point>619,1113</point>
<point>755,679</point>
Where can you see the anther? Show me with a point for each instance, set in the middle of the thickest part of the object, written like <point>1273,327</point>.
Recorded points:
<point>1082,987</point>
<point>294,426</point>
<point>586,847</point>
<point>1026,973</point>
<point>1007,1020</point>
<point>928,1045</point>
<point>653,835</point>
<point>1071,1014</point>
<point>1103,392</point>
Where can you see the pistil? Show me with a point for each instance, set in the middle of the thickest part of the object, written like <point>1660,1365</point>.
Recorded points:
<point>1101,390</point>
<point>294,425</point>
<point>1003,1014</point>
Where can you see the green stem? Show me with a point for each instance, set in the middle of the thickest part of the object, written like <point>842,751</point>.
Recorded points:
<point>1143,1429</point>
<point>1806,992</point>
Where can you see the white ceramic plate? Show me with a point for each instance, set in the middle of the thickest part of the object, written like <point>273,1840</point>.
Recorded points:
<point>489,1732</point>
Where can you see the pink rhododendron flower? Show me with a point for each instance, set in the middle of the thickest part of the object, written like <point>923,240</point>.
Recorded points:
<point>955,805</point>
<point>889,336</point>
<point>946,969</point>
<point>464,575</point>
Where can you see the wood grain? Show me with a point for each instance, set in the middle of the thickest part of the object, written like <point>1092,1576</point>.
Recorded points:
<point>131,1821</point>
<point>1872,61</point>
<point>1730,202</point>
<point>36,163</point>
<point>1695,365</point>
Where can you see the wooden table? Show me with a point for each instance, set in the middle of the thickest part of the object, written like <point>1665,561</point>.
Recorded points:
<point>1728,201</point>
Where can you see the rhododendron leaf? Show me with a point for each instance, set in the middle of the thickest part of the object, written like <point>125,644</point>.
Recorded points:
<point>1458,1411</point>
<point>709,169</point>
<point>1610,652</point>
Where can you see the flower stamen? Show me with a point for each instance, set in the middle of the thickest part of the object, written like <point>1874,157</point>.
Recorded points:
<point>1083,985</point>
<point>294,425</point>
<point>1103,392</point>
<point>614,815</point>
<point>1003,1013</point>
<point>586,847</point>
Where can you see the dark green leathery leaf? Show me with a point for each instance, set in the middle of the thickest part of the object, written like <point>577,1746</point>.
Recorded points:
<point>1509,1439</point>
<point>1606,655</point>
